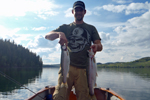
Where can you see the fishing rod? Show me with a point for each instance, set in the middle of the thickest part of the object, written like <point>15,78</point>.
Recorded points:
<point>16,82</point>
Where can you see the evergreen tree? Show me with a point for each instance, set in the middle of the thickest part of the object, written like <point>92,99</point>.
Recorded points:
<point>13,55</point>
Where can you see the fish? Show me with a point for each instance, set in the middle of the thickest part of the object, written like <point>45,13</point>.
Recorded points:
<point>92,72</point>
<point>65,63</point>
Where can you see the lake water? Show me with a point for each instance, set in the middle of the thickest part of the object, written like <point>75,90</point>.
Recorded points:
<point>131,84</point>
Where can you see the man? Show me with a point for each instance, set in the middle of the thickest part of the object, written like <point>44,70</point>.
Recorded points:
<point>78,37</point>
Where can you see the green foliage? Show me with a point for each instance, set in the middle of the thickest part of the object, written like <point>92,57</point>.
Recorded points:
<point>141,63</point>
<point>13,55</point>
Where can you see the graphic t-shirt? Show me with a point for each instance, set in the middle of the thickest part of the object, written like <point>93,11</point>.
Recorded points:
<point>79,37</point>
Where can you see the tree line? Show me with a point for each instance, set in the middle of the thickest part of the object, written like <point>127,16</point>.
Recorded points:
<point>141,63</point>
<point>13,55</point>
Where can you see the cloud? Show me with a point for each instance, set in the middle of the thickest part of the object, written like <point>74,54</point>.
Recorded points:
<point>5,31</point>
<point>98,8</point>
<point>44,15</point>
<point>135,32</point>
<point>88,12</point>
<point>137,8</point>
<point>39,28</point>
<point>12,34</point>
<point>122,1</point>
<point>113,8</point>
<point>40,42</point>
<point>48,50</point>
<point>128,9</point>
<point>96,13</point>
<point>107,25</point>
<point>104,36</point>
<point>21,7</point>
<point>68,12</point>
<point>52,58</point>
<point>130,42</point>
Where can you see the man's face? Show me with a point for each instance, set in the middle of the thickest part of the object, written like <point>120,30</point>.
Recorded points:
<point>79,13</point>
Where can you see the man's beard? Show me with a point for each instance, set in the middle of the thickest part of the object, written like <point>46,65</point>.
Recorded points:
<point>79,19</point>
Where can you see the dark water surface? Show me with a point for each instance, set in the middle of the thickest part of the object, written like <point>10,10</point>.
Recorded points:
<point>131,84</point>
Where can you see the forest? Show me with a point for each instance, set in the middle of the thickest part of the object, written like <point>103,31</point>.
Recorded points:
<point>13,55</point>
<point>140,63</point>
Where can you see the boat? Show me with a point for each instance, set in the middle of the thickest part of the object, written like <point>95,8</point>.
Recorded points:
<point>100,93</point>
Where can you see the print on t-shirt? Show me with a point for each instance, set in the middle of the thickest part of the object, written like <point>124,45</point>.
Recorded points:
<point>78,39</point>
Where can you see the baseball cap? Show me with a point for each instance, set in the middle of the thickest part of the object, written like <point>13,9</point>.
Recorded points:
<point>79,4</point>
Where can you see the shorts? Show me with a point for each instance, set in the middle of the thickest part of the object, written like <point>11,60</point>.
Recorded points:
<point>77,77</point>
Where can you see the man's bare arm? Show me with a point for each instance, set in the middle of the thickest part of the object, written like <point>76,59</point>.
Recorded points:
<point>54,35</point>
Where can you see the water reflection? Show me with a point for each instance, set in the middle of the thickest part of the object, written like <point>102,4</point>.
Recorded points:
<point>130,83</point>
<point>141,72</point>
<point>21,75</point>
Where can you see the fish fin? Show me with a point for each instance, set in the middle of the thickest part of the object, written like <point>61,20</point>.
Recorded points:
<point>64,85</point>
<point>68,49</point>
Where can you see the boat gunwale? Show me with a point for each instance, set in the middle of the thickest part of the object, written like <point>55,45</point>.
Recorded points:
<point>112,92</point>
<point>39,92</point>
<point>53,87</point>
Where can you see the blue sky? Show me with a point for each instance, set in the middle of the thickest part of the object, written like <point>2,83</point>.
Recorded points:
<point>123,25</point>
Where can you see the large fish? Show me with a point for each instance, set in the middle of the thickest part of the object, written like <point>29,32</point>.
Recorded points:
<point>92,72</point>
<point>65,63</point>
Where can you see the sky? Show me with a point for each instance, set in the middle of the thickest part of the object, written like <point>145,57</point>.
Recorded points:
<point>123,25</point>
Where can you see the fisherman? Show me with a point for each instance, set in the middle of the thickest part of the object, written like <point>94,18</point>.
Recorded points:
<point>78,36</point>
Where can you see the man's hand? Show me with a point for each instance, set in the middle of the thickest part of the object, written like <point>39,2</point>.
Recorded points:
<point>97,46</point>
<point>62,39</point>
<point>94,48</point>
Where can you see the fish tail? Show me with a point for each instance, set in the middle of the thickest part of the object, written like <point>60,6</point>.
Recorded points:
<point>64,85</point>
